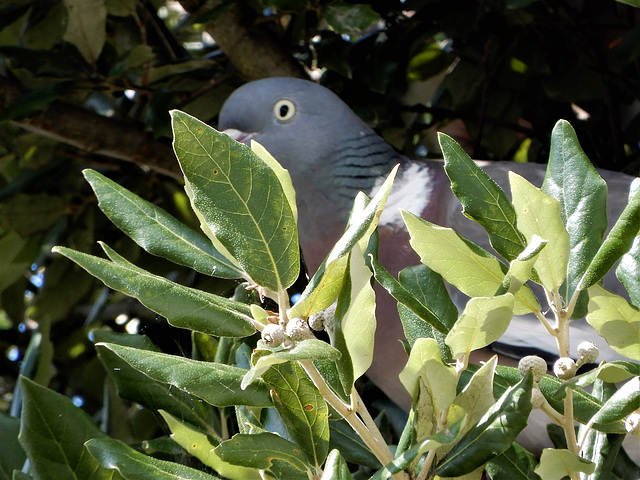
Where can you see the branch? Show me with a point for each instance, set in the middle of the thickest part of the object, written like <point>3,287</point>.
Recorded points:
<point>252,48</point>
<point>114,138</point>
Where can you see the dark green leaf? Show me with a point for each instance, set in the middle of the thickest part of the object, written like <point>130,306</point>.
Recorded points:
<point>182,306</point>
<point>260,450</point>
<point>619,240</point>
<point>302,409</point>
<point>515,463</point>
<point>36,100</point>
<point>349,19</point>
<point>63,62</point>
<point>12,455</point>
<point>344,439</point>
<point>482,199</point>
<point>133,465</point>
<point>215,383</point>
<point>494,433</point>
<point>625,401</point>
<point>573,181</point>
<point>53,432</point>
<point>139,387</point>
<point>241,200</point>
<point>158,232</point>
<point>404,296</point>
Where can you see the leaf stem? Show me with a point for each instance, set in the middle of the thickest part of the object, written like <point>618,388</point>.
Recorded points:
<point>372,437</point>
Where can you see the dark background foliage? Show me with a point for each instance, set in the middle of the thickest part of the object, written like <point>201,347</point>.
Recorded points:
<point>89,84</point>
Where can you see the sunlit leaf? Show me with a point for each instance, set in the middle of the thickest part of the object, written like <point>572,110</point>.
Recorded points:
<point>555,464</point>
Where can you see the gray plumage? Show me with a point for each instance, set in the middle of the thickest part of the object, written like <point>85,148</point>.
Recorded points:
<point>332,154</point>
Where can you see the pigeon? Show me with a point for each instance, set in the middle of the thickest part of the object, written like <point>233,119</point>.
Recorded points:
<point>331,155</point>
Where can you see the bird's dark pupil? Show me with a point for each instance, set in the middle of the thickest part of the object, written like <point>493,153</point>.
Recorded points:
<point>284,109</point>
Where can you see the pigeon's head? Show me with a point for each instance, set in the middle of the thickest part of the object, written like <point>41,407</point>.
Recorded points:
<point>310,131</point>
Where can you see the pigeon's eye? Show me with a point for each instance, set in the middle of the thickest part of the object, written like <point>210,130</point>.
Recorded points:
<point>284,110</point>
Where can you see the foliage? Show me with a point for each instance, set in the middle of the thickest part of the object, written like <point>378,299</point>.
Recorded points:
<point>243,407</point>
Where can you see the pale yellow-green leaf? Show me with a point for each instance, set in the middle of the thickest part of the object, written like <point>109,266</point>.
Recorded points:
<point>259,314</point>
<point>482,322</point>
<point>198,445</point>
<point>556,464</point>
<point>443,251</point>
<point>616,320</point>
<point>477,396</point>
<point>282,174</point>
<point>86,27</point>
<point>539,214</point>
<point>520,268</point>
<point>359,321</point>
<point>475,475</point>
<point>426,421</point>
<point>440,379</point>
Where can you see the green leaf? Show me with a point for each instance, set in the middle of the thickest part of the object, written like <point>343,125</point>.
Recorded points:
<point>623,402</point>
<point>137,386</point>
<point>473,271</point>
<point>156,231</point>
<point>356,321</point>
<point>259,450</point>
<point>425,362</point>
<point>302,409</point>
<point>307,349</point>
<point>494,433</point>
<point>574,182</point>
<point>515,463</point>
<point>86,27</point>
<point>482,322</point>
<point>482,199</point>
<point>406,298</point>
<point>539,214</point>
<point>428,288</point>
<point>241,201</point>
<point>133,465</point>
<point>349,19</point>
<point>12,456</point>
<point>520,269</point>
<point>619,240</point>
<point>215,383</point>
<point>198,444</point>
<point>53,432</point>
<point>628,271</point>
<point>182,306</point>
<point>37,100</point>
<point>336,468</point>
<point>477,396</point>
<point>616,320</point>
<point>326,283</point>
<point>555,464</point>
<point>344,439</point>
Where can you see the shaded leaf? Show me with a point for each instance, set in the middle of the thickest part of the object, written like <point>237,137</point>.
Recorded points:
<point>494,433</point>
<point>53,432</point>
<point>182,306</point>
<point>12,456</point>
<point>86,27</point>
<point>302,409</point>
<point>260,450</point>
<point>349,19</point>
<point>133,465</point>
<point>215,383</point>
<point>156,231</point>
<point>516,463</point>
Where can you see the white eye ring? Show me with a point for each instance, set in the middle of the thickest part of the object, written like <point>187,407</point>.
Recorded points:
<point>284,110</point>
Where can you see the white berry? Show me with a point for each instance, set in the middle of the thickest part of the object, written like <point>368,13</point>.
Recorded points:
<point>565,368</point>
<point>632,423</point>
<point>587,353</point>
<point>273,335</point>
<point>537,398</point>
<point>534,363</point>
<point>298,329</point>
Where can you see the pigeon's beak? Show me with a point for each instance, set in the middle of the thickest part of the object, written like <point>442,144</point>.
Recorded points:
<point>239,136</point>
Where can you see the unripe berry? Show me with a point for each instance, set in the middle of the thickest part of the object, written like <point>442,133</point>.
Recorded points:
<point>537,398</point>
<point>298,329</point>
<point>587,353</point>
<point>324,319</point>
<point>534,363</point>
<point>632,423</point>
<point>273,335</point>
<point>565,368</point>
